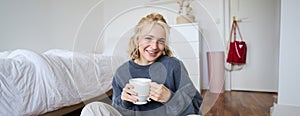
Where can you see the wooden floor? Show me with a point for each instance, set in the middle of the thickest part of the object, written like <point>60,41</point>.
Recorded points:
<point>234,103</point>
<point>237,103</point>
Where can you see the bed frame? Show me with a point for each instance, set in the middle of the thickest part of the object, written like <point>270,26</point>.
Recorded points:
<point>69,109</point>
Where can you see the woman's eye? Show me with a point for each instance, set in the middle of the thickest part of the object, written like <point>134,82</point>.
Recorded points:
<point>148,38</point>
<point>161,41</point>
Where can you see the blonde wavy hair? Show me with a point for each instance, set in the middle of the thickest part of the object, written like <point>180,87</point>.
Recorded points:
<point>147,23</point>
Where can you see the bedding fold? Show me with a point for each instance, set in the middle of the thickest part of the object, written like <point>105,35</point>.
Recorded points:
<point>33,83</point>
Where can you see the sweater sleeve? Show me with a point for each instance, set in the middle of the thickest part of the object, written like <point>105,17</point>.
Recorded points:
<point>124,107</point>
<point>186,99</point>
<point>117,90</point>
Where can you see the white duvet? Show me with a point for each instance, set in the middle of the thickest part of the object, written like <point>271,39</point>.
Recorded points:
<point>33,84</point>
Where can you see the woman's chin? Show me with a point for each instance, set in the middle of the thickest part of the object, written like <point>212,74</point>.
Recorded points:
<point>152,59</point>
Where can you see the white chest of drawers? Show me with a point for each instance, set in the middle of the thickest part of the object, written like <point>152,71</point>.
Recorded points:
<point>185,44</point>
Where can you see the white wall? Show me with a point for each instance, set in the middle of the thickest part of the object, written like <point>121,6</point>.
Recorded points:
<point>40,24</point>
<point>289,54</point>
<point>68,24</point>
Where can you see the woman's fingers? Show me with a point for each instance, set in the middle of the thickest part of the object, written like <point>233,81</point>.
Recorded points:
<point>155,91</point>
<point>127,97</point>
<point>158,92</point>
<point>128,94</point>
<point>129,89</point>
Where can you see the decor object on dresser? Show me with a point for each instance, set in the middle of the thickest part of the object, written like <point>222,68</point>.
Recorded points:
<point>185,10</point>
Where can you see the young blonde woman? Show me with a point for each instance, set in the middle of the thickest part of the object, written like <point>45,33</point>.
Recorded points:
<point>171,90</point>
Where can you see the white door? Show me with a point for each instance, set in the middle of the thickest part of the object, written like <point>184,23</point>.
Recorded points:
<point>260,29</point>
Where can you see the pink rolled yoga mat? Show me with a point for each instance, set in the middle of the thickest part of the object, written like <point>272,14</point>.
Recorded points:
<point>216,71</point>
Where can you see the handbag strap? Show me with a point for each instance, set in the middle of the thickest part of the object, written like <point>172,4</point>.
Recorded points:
<point>231,31</point>
<point>235,27</point>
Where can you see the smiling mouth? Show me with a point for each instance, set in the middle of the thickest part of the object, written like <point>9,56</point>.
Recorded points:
<point>151,53</point>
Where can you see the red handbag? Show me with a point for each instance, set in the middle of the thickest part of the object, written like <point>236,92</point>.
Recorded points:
<point>237,49</point>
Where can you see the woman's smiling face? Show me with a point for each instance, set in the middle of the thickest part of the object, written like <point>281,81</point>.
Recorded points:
<point>151,44</point>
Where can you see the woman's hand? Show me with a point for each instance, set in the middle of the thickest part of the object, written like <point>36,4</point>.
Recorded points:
<point>159,92</point>
<point>128,94</point>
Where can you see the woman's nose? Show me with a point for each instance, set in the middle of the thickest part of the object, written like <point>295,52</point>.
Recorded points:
<point>154,44</point>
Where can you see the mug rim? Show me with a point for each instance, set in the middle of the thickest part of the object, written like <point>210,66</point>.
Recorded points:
<point>142,79</point>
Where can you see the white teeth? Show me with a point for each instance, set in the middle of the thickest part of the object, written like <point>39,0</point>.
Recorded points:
<point>151,52</point>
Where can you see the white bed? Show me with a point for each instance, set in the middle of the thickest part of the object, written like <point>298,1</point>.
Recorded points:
<point>35,84</point>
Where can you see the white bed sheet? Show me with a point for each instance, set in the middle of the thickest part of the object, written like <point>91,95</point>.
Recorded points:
<point>34,83</point>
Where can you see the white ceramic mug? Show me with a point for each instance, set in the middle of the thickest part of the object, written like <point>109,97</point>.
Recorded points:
<point>142,87</point>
